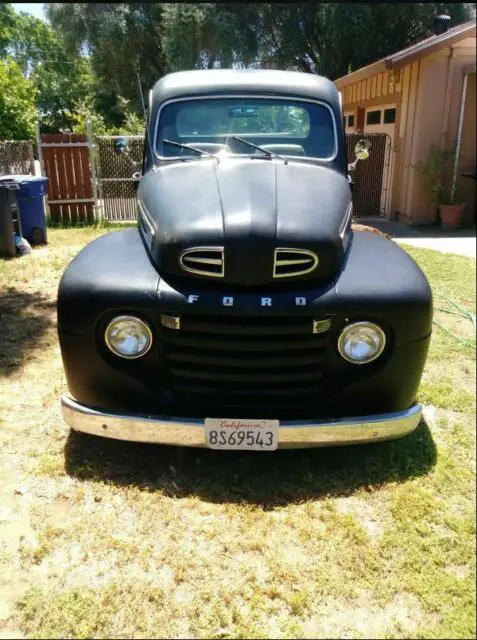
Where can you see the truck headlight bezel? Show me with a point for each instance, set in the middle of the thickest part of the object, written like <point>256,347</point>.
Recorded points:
<point>376,334</point>
<point>142,329</point>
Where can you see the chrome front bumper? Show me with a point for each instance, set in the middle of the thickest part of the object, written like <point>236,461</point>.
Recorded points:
<point>190,432</point>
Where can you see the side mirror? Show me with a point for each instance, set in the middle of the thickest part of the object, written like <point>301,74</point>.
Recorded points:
<point>136,176</point>
<point>121,146</point>
<point>361,149</point>
<point>361,152</point>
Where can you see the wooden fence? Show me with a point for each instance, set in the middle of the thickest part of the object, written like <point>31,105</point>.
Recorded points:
<point>67,162</point>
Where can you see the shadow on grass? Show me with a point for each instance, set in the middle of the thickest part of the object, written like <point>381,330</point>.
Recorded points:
<point>266,479</point>
<point>24,319</point>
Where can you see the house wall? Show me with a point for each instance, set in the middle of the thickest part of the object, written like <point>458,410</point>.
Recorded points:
<point>426,125</point>
<point>403,137</point>
<point>378,89</point>
<point>465,187</point>
<point>427,94</point>
<point>439,96</point>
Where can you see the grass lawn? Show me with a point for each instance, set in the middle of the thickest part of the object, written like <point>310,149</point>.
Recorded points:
<point>109,539</point>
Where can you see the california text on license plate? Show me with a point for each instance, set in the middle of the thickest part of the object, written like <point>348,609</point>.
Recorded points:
<point>230,433</point>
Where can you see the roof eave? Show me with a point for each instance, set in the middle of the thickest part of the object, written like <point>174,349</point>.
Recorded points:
<point>362,74</point>
<point>399,60</point>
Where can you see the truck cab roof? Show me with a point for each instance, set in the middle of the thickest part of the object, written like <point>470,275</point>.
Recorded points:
<point>183,84</point>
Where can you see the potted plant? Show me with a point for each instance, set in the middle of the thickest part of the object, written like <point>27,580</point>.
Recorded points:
<point>436,173</point>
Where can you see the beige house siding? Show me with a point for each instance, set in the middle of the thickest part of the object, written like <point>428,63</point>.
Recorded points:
<point>465,187</point>
<point>428,126</point>
<point>382,85</point>
<point>402,150</point>
<point>427,94</point>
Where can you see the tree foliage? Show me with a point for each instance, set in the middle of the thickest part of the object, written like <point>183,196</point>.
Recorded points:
<point>120,39</point>
<point>60,79</point>
<point>18,111</point>
<point>325,38</point>
<point>334,38</point>
<point>208,35</point>
<point>85,63</point>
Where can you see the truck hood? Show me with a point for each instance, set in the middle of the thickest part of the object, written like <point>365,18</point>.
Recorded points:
<point>245,209</point>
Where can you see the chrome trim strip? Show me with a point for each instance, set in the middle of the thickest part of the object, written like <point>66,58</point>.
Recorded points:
<point>279,263</point>
<point>346,219</point>
<point>205,260</point>
<point>348,328</point>
<point>146,217</point>
<point>189,432</point>
<point>249,95</point>
<point>285,263</point>
<point>170,322</point>
<point>216,261</point>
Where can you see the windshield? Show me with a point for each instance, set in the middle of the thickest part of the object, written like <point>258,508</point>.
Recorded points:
<point>281,126</point>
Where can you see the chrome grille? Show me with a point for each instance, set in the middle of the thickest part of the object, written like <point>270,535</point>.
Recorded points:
<point>293,262</point>
<point>203,261</point>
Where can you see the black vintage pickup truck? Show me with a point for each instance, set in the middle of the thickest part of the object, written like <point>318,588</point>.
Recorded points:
<point>244,312</point>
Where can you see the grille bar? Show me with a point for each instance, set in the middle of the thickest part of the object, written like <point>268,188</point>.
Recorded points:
<point>239,394</point>
<point>261,345</point>
<point>244,377</point>
<point>219,359</point>
<point>244,326</point>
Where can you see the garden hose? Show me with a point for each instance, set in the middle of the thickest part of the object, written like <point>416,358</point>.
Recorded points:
<point>462,313</point>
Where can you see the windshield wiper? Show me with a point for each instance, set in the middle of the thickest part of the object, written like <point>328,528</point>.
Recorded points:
<point>186,146</point>
<point>272,154</point>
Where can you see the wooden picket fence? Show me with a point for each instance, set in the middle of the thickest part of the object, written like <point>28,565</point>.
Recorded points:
<point>67,162</point>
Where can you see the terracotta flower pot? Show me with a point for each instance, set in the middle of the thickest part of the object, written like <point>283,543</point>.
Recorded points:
<point>451,215</point>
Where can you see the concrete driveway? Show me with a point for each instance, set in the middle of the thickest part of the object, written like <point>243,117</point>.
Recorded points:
<point>459,241</point>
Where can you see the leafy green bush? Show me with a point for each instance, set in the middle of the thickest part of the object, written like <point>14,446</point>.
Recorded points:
<point>85,110</point>
<point>436,173</point>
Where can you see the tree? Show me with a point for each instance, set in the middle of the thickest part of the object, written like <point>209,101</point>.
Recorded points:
<point>335,38</point>
<point>120,39</point>
<point>18,111</point>
<point>60,79</point>
<point>209,34</point>
<point>156,38</point>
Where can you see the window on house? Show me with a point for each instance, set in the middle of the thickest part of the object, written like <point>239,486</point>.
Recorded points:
<point>373,117</point>
<point>344,121</point>
<point>389,116</point>
<point>351,121</point>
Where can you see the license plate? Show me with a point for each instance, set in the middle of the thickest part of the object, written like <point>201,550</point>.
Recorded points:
<point>251,435</point>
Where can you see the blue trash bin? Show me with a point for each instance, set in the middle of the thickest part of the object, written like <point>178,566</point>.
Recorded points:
<point>31,206</point>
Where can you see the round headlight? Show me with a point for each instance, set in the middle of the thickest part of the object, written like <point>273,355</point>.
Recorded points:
<point>361,342</point>
<point>128,337</point>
